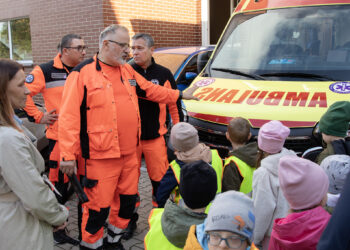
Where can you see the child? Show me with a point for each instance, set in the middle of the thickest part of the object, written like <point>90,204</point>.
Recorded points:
<point>185,141</point>
<point>337,168</point>
<point>230,224</point>
<point>334,126</point>
<point>305,185</point>
<point>239,166</point>
<point>268,199</point>
<point>169,225</point>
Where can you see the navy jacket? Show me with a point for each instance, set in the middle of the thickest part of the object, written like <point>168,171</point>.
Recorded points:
<point>336,236</point>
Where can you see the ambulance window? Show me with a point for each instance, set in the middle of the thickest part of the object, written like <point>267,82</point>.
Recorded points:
<point>314,40</point>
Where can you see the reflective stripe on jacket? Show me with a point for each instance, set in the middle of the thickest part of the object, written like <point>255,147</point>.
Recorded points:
<point>49,79</point>
<point>216,163</point>
<point>88,116</point>
<point>155,238</point>
<point>246,172</point>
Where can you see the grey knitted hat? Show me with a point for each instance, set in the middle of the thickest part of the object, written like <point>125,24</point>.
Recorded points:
<point>183,136</point>
<point>337,168</point>
<point>232,211</point>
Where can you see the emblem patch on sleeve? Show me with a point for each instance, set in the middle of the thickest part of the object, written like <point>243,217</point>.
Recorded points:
<point>155,81</point>
<point>29,78</point>
<point>132,82</point>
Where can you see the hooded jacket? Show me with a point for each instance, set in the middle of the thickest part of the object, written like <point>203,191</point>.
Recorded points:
<point>299,230</point>
<point>269,201</point>
<point>196,239</point>
<point>169,182</point>
<point>232,179</point>
<point>176,222</point>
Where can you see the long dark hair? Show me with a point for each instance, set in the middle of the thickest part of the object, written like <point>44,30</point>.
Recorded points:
<point>8,69</point>
<point>261,155</point>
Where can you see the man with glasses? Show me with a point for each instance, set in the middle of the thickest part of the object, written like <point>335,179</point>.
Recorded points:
<point>49,79</point>
<point>100,118</point>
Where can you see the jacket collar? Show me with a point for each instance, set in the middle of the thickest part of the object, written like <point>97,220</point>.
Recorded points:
<point>139,68</point>
<point>98,65</point>
<point>57,63</point>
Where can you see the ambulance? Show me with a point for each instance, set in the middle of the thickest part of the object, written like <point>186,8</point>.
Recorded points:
<point>286,60</point>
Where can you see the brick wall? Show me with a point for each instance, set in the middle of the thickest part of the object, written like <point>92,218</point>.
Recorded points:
<point>170,22</point>
<point>52,19</point>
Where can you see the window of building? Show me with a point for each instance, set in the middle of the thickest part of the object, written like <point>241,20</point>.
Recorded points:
<point>15,40</point>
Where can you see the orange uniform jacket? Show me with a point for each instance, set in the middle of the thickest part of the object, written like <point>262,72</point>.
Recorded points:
<point>88,112</point>
<point>48,79</point>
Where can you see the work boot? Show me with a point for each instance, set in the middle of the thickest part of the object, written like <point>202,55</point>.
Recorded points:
<point>129,231</point>
<point>61,237</point>
<point>113,246</point>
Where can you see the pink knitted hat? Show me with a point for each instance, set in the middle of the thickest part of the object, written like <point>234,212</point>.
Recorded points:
<point>303,182</point>
<point>272,136</point>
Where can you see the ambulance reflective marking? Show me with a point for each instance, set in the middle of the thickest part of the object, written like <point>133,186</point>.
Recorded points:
<point>256,123</point>
<point>271,98</point>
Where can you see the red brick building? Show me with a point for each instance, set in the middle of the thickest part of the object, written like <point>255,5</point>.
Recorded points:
<point>171,23</point>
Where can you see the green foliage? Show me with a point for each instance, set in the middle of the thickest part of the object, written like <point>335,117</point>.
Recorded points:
<point>21,40</point>
<point>4,41</point>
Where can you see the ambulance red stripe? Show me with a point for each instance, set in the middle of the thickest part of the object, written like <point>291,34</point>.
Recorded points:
<point>256,123</point>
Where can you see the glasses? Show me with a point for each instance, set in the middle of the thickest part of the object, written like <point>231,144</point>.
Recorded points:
<point>232,242</point>
<point>123,45</point>
<point>79,48</point>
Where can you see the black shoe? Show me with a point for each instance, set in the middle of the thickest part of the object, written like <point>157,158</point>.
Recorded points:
<point>113,246</point>
<point>129,231</point>
<point>60,237</point>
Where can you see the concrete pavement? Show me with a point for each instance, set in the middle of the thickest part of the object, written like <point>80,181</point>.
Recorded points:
<point>136,242</point>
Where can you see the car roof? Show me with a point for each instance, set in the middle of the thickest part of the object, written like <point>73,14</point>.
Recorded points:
<point>184,50</point>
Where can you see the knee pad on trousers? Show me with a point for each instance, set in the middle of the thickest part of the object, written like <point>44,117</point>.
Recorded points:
<point>88,183</point>
<point>96,220</point>
<point>53,164</point>
<point>127,205</point>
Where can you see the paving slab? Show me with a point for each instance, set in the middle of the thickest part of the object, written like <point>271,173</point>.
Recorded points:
<point>136,242</point>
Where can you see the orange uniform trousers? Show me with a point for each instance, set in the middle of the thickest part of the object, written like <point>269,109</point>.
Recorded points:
<point>112,196</point>
<point>155,155</point>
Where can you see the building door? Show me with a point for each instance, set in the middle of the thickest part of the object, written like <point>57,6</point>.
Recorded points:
<point>219,14</point>
<point>215,15</point>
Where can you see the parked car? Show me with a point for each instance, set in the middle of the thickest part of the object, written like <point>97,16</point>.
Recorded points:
<point>184,62</point>
<point>276,60</point>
